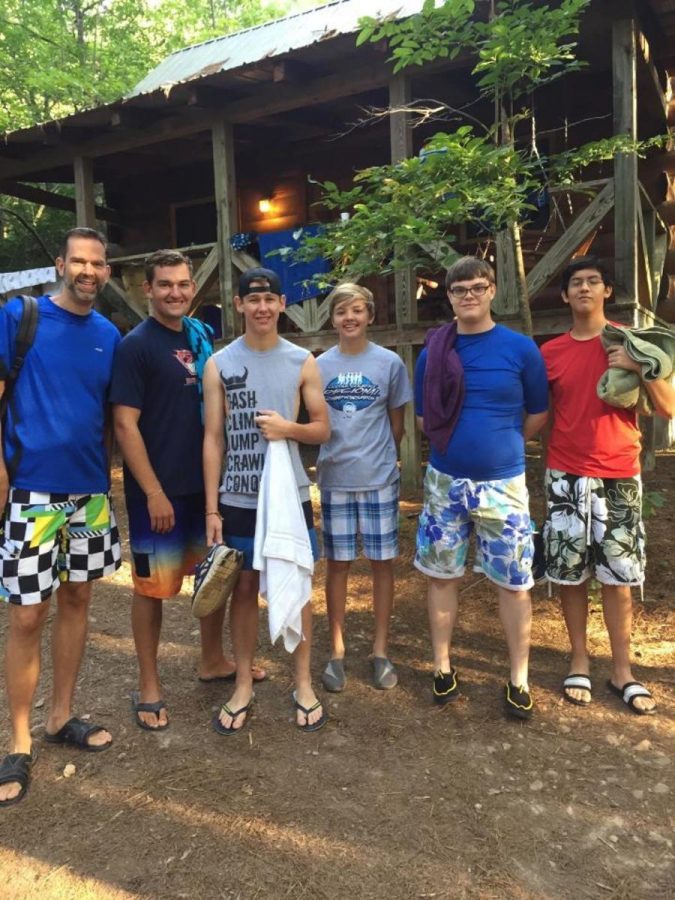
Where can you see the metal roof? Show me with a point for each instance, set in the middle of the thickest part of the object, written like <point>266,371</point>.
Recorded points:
<point>272,39</point>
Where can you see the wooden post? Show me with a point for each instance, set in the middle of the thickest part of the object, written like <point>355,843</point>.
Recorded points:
<point>85,208</point>
<point>404,283</point>
<point>624,67</point>
<point>226,210</point>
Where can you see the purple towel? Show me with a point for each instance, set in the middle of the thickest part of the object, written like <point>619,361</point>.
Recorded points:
<point>443,386</point>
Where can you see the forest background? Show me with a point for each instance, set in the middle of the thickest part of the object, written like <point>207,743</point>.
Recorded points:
<point>59,56</point>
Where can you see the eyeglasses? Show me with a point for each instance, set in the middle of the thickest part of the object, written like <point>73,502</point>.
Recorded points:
<point>593,281</point>
<point>478,290</point>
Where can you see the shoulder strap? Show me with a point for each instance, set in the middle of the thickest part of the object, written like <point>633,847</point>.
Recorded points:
<point>25,335</point>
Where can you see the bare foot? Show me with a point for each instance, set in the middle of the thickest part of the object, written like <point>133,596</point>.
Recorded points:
<point>227,670</point>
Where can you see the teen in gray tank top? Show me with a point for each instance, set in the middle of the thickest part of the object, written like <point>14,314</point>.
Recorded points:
<point>256,380</point>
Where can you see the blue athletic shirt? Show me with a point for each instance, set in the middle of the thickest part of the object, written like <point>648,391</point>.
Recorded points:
<point>54,430</point>
<point>505,377</point>
<point>155,371</point>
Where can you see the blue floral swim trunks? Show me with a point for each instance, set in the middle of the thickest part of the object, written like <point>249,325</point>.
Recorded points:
<point>498,512</point>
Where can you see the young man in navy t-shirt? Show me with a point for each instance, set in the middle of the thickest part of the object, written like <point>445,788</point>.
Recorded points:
<point>480,393</point>
<point>158,424</point>
<point>59,528</point>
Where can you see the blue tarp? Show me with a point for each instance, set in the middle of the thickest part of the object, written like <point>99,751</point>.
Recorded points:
<point>292,274</point>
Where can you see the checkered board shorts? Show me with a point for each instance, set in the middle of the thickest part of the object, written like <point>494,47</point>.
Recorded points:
<point>372,514</point>
<point>51,538</point>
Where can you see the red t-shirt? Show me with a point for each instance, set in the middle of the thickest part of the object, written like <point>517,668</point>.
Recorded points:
<point>589,437</point>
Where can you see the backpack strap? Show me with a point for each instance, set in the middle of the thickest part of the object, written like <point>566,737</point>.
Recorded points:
<point>25,335</point>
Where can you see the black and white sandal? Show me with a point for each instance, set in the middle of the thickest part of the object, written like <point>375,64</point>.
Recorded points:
<point>579,682</point>
<point>629,694</point>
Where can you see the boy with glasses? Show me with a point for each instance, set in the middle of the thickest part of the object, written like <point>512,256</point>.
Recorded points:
<point>594,494</point>
<point>480,393</point>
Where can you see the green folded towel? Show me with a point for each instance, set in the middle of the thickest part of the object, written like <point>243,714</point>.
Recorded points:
<point>654,349</point>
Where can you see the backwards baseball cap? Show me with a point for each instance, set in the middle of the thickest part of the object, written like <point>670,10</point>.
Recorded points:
<point>266,279</point>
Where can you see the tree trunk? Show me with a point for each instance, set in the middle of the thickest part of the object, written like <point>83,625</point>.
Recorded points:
<point>516,247</point>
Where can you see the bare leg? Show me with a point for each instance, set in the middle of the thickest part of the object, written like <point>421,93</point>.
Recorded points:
<point>22,671</point>
<point>574,601</point>
<point>617,607</point>
<point>214,663</point>
<point>383,603</point>
<point>212,658</point>
<point>244,629</point>
<point>515,612</point>
<point>304,693</point>
<point>146,624</point>
<point>443,604</point>
<point>69,636</point>
<point>337,574</point>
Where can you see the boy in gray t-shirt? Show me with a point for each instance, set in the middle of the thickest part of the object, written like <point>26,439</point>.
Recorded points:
<point>366,388</point>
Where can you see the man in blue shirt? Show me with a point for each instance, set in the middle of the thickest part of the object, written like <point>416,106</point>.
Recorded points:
<point>59,528</point>
<point>480,393</point>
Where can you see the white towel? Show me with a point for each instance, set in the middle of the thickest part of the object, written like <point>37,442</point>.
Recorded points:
<point>282,551</point>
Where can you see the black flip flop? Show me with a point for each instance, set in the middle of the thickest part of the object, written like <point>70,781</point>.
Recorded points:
<point>234,714</point>
<point>16,767</point>
<point>314,726</point>
<point>218,679</point>
<point>138,707</point>
<point>75,733</point>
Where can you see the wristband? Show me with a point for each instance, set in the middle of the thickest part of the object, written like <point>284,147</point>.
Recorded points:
<point>214,514</point>
<point>154,493</point>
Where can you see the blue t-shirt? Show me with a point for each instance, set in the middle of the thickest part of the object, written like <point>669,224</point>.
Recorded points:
<point>504,377</point>
<point>155,372</point>
<point>54,432</point>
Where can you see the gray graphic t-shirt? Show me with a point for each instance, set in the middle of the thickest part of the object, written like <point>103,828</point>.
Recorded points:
<point>359,391</point>
<point>255,380</point>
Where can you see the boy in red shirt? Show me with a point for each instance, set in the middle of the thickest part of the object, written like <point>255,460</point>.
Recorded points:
<point>594,493</point>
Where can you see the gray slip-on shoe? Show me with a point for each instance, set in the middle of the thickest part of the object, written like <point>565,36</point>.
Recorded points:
<point>333,676</point>
<point>384,674</point>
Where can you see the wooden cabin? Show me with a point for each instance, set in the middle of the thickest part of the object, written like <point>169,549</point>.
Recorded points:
<point>228,137</point>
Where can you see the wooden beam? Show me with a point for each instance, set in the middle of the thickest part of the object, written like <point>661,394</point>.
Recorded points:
<point>558,255</point>
<point>651,79</point>
<point>85,208</point>
<point>285,95</point>
<point>624,67</point>
<point>226,208</point>
<point>203,276</point>
<point>54,201</point>
<point>547,322</point>
<point>113,286</point>
<point>405,285</point>
<point>163,129</point>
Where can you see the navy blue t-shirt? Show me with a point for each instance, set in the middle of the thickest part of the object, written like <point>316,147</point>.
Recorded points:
<point>54,431</point>
<point>154,371</point>
<point>504,377</point>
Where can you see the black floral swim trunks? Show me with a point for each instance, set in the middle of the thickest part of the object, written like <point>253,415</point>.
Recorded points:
<point>594,528</point>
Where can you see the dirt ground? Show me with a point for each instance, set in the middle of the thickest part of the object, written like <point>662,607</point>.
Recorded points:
<point>395,798</point>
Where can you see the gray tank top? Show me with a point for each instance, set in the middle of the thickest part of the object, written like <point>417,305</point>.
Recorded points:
<point>257,380</point>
